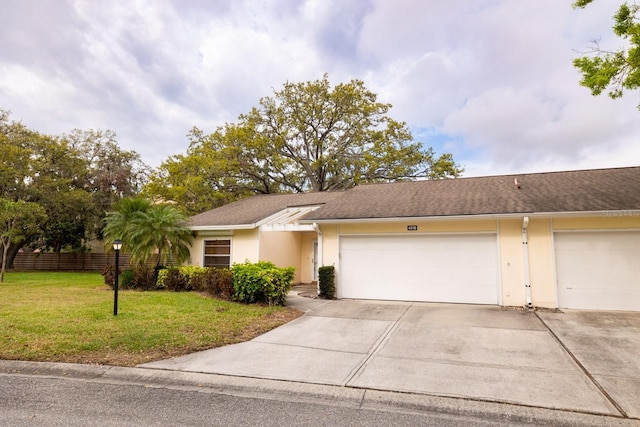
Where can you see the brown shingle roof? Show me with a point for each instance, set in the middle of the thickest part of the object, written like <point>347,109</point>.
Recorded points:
<point>253,209</point>
<point>573,191</point>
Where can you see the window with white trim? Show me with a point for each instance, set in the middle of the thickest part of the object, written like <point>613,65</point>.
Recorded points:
<point>217,253</point>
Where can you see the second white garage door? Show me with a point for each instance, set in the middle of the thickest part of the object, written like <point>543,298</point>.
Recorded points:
<point>598,270</point>
<point>460,268</point>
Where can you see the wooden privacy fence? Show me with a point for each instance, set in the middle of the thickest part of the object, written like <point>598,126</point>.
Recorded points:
<point>69,261</point>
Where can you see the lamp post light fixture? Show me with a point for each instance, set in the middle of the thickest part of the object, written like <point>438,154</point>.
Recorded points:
<point>117,245</point>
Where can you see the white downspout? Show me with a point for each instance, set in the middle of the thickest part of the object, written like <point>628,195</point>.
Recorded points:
<point>525,251</point>
<point>317,229</point>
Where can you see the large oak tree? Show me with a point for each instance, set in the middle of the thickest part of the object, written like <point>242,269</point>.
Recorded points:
<point>306,137</point>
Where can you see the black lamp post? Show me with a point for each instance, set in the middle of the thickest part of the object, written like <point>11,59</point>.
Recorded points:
<point>117,245</point>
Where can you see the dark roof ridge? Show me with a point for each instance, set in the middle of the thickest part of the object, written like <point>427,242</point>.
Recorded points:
<point>588,190</point>
<point>504,175</point>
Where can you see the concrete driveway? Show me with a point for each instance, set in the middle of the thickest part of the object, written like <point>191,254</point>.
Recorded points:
<point>577,360</point>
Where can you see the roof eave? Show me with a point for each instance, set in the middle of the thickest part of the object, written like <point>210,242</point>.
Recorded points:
<point>222,227</point>
<point>512,215</point>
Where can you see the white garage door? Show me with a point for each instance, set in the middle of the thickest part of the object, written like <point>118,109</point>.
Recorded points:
<point>598,270</point>
<point>458,268</point>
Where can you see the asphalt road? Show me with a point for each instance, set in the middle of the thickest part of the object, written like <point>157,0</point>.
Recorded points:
<point>27,400</point>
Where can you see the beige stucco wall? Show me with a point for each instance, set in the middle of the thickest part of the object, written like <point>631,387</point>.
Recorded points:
<point>196,256</point>
<point>245,246</point>
<point>597,223</point>
<point>541,254</point>
<point>400,227</point>
<point>511,262</point>
<point>281,248</point>
<point>541,263</point>
<point>330,249</point>
<point>512,266</point>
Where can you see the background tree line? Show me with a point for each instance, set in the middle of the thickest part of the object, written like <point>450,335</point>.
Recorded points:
<point>56,190</point>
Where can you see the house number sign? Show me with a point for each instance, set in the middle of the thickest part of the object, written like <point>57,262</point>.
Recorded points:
<point>412,228</point>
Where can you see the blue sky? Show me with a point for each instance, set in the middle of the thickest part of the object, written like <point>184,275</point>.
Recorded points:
<point>490,81</point>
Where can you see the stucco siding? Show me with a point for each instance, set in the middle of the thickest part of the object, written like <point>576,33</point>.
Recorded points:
<point>511,263</point>
<point>422,227</point>
<point>283,248</point>
<point>618,220</point>
<point>245,246</point>
<point>196,255</point>
<point>541,263</point>
<point>330,247</point>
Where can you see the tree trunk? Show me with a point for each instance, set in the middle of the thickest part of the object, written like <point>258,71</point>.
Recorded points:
<point>5,249</point>
<point>12,252</point>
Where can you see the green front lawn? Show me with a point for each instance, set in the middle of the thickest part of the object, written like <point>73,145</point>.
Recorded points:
<point>68,317</point>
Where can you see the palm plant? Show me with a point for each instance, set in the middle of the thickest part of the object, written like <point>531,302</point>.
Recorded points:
<point>147,229</point>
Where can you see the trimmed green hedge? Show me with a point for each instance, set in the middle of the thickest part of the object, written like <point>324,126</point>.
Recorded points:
<point>217,282</point>
<point>184,278</point>
<point>262,282</point>
<point>327,282</point>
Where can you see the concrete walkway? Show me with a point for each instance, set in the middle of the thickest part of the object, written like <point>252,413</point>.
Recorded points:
<point>576,361</point>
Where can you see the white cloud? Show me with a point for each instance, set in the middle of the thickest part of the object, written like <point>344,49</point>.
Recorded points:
<point>489,80</point>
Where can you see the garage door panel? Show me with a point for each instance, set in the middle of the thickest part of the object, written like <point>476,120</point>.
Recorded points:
<point>455,268</point>
<point>598,270</point>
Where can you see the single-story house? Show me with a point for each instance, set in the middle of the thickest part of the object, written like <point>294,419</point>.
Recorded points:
<point>558,239</point>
